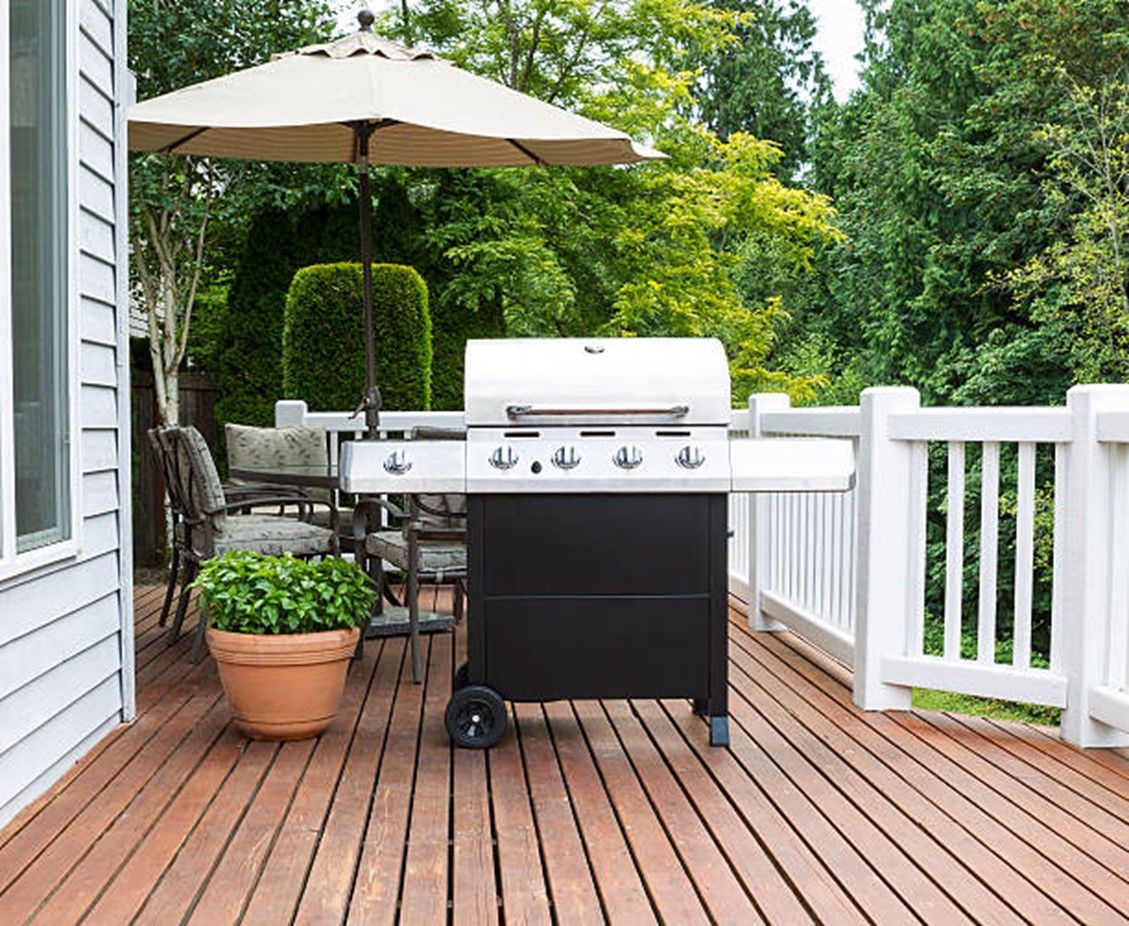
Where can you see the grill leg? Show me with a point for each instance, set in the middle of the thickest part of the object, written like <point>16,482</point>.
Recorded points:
<point>701,706</point>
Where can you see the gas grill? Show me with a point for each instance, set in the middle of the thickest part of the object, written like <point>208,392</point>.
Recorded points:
<point>596,473</point>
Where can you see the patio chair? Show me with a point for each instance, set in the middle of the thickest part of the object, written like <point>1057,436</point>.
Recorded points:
<point>203,527</point>
<point>250,447</point>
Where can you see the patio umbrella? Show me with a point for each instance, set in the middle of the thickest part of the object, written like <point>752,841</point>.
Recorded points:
<point>364,99</point>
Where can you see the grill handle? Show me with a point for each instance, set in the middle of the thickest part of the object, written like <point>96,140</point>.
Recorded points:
<point>579,411</point>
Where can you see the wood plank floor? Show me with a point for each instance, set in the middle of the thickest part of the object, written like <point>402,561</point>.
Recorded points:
<point>587,812</point>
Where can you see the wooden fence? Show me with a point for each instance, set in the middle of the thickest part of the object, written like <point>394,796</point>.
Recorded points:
<point>197,407</point>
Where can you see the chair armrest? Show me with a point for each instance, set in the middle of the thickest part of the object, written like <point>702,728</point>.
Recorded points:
<point>369,502</point>
<point>430,432</point>
<point>435,512</point>
<point>429,532</point>
<point>250,490</point>
<point>272,500</point>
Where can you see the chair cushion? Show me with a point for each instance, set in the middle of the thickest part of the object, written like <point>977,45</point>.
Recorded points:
<point>436,557</point>
<point>273,536</point>
<point>250,448</point>
<point>453,504</point>
<point>205,479</point>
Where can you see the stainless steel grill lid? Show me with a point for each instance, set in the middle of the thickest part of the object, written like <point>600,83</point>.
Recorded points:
<point>541,382</point>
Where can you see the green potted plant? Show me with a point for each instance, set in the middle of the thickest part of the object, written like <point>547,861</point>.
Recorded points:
<point>282,631</point>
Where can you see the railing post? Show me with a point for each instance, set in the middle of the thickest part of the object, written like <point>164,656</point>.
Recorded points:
<point>1087,580</point>
<point>759,403</point>
<point>289,413</point>
<point>883,488</point>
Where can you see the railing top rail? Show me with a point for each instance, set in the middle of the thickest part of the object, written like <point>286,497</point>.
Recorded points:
<point>1014,423</point>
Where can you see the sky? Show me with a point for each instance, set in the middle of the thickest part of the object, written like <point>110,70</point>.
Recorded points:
<point>839,39</point>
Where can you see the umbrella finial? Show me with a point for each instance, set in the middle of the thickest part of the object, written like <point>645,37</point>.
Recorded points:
<point>366,19</point>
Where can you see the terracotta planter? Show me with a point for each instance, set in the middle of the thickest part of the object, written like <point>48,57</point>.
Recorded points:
<point>285,687</point>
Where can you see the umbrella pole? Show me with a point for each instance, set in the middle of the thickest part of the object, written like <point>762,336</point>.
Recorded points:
<point>371,401</point>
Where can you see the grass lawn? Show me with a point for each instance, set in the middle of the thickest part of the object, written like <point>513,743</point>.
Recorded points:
<point>932,700</point>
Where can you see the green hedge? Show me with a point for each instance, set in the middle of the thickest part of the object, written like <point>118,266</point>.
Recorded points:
<point>323,353</point>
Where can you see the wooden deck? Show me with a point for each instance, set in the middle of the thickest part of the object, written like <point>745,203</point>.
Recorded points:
<point>616,811</point>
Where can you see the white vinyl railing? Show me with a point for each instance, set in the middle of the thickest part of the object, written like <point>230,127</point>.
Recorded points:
<point>800,547</point>
<point>855,572</point>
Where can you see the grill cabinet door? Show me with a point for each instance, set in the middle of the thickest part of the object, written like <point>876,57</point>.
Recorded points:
<point>581,596</point>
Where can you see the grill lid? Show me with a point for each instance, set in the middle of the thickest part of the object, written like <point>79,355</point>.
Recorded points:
<point>541,382</point>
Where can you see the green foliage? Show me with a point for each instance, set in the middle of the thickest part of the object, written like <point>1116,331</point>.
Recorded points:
<point>184,211</point>
<point>250,593</point>
<point>650,250</point>
<point>960,177</point>
<point>770,81</point>
<point>980,180</point>
<point>246,362</point>
<point>928,699</point>
<point>323,357</point>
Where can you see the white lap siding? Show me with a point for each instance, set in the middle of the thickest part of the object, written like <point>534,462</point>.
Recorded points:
<point>66,647</point>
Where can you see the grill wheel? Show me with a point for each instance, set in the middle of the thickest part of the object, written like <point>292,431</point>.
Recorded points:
<point>476,717</point>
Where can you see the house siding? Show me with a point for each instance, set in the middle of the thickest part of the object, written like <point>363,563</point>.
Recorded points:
<point>66,647</point>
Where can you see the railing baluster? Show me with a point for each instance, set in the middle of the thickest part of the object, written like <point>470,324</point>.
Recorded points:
<point>846,565</point>
<point>793,558</point>
<point>1118,647</point>
<point>1058,571</point>
<point>915,587</point>
<point>954,550</point>
<point>1024,556</point>
<point>852,562</point>
<point>826,560</point>
<point>989,551</point>
<point>833,610</point>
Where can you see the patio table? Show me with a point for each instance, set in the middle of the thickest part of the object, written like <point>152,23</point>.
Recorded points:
<point>319,476</point>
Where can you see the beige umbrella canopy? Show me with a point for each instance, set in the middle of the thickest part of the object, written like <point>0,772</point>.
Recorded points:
<point>424,112</point>
<point>365,99</point>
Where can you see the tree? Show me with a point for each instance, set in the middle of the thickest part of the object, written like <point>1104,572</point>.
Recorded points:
<point>769,82</point>
<point>1078,284</point>
<point>177,202</point>
<point>651,250</point>
<point>980,178</point>
<point>943,170</point>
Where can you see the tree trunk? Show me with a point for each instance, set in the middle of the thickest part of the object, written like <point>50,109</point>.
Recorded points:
<point>169,410</point>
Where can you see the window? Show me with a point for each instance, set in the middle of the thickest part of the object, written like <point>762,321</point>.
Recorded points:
<point>38,457</point>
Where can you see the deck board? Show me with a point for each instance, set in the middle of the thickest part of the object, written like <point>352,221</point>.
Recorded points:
<point>590,811</point>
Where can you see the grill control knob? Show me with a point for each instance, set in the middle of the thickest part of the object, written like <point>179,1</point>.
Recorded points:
<point>503,458</point>
<point>397,462</point>
<point>690,457</point>
<point>628,457</point>
<point>566,457</point>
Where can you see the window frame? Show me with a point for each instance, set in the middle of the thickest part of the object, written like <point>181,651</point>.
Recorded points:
<point>13,563</point>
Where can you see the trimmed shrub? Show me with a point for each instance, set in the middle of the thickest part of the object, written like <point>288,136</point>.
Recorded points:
<point>323,351</point>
